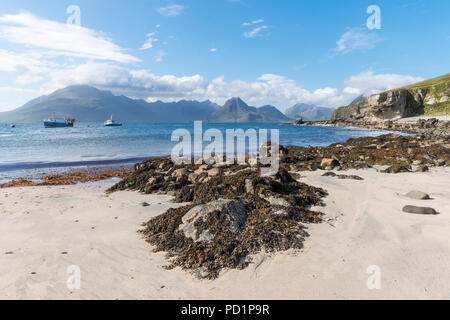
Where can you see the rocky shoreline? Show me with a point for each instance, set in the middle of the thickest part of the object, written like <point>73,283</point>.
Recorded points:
<point>431,126</point>
<point>234,214</point>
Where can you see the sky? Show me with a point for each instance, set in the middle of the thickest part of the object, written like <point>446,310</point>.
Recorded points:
<point>321,52</point>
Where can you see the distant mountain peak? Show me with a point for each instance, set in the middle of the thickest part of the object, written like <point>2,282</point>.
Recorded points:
<point>236,110</point>
<point>308,112</point>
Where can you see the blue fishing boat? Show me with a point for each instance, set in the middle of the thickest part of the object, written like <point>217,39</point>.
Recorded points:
<point>54,122</point>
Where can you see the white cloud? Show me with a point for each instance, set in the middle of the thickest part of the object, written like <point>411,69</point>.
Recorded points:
<point>368,83</point>
<point>213,50</point>
<point>160,54</point>
<point>247,24</point>
<point>149,41</point>
<point>60,39</point>
<point>267,89</point>
<point>299,67</point>
<point>171,11</point>
<point>357,39</point>
<point>255,32</point>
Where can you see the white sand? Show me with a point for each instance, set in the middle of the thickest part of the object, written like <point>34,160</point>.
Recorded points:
<point>366,227</point>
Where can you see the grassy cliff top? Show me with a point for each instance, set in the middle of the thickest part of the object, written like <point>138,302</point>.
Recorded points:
<point>445,79</point>
<point>437,87</point>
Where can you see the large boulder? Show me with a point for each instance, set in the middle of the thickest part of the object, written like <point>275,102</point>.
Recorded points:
<point>233,212</point>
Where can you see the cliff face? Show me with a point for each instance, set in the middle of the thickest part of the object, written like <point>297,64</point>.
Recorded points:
<point>396,104</point>
<point>430,97</point>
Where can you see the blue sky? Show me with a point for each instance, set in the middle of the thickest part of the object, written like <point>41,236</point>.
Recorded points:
<point>268,52</point>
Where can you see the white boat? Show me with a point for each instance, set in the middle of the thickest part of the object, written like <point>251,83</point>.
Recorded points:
<point>112,123</point>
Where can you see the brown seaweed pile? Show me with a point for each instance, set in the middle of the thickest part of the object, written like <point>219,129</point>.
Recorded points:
<point>69,178</point>
<point>234,213</point>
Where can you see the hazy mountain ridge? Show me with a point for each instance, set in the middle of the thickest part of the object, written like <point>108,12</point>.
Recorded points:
<point>308,112</point>
<point>89,104</point>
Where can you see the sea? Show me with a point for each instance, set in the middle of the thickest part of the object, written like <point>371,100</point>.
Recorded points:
<point>30,148</point>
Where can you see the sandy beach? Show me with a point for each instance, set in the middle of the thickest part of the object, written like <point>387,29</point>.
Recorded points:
<point>45,230</point>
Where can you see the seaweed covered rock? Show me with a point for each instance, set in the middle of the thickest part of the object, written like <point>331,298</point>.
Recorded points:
<point>233,214</point>
<point>398,153</point>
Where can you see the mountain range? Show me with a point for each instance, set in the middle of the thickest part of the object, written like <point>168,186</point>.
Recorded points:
<point>308,112</point>
<point>89,104</point>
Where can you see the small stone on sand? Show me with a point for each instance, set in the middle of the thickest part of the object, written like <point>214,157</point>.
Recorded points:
<point>419,195</point>
<point>419,210</point>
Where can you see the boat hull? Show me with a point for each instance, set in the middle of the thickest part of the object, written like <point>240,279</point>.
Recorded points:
<point>49,124</point>
<point>113,125</point>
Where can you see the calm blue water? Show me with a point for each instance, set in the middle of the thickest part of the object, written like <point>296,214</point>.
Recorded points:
<point>32,146</point>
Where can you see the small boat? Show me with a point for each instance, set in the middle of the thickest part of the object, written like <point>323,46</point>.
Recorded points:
<point>54,122</point>
<point>13,126</point>
<point>112,123</point>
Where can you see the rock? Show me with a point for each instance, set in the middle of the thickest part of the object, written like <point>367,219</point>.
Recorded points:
<point>342,176</point>
<point>419,195</point>
<point>440,162</point>
<point>202,168</point>
<point>397,169</point>
<point>298,121</point>
<point>144,204</point>
<point>422,169</point>
<point>233,210</point>
<point>249,188</point>
<point>280,202</point>
<point>360,165</point>
<point>193,177</point>
<point>201,273</point>
<point>180,172</point>
<point>213,172</point>
<point>329,163</point>
<point>419,210</point>
<point>380,168</point>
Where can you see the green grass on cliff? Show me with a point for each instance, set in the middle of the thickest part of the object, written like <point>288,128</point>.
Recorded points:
<point>437,109</point>
<point>441,81</point>
<point>436,87</point>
